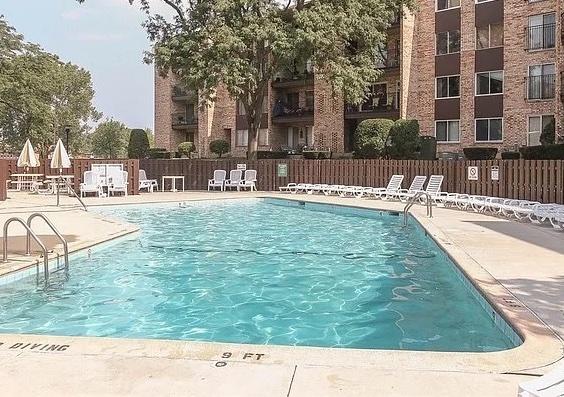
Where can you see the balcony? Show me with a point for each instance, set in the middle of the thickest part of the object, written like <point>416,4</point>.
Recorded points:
<point>540,37</point>
<point>182,121</point>
<point>383,106</point>
<point>293,80</point>
<point>541,87</point>
<point>182,94</point>
<point>389,59</point>
<point>288,114</point>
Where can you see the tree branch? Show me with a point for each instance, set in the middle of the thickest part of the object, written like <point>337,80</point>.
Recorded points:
<point>177,9</point>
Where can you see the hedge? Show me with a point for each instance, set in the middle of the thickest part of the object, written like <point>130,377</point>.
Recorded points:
<point>480,153</point>
<point>370,138</point>
<point>543,152</point>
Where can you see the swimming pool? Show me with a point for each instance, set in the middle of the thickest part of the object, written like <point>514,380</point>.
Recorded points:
<point>262,272</point>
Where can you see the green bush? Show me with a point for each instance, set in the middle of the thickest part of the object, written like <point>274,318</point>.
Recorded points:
<point>370,138</point>
<point>544,152</point>
<point>158,153</point>
<point>219,147</point>
<point>271,154</point>
<point>480,153</point>
<point>138,147</point>
<point>185,148</point>
<point>404,141</point>
<point>510,155</point>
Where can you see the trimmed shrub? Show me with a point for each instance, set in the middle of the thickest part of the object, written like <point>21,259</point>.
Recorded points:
<point>267,154</point>
<point>185,148</point>
<point>138,147</point>
<point>370,138</point>
<point>543,152</point>
<point>510,155</point>
<point>158,153</point>
<point>404,142</point>
<point>480,153</point>
<point>219,147</point>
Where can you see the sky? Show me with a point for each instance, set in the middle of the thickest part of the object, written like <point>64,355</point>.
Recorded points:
<point>103,36</point>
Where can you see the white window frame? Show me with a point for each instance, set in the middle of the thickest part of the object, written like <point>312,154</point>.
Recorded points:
<point>489,140</point>
<point>448,41</point>
<point>245,133</point>
<point>445,9</point>
<point>447,121</point>
<point>540,75</point>
<point>490,34</point>
<point>482,2</point>
<point>541,117</point>
<point>447,97</point>
<point>490,84</point>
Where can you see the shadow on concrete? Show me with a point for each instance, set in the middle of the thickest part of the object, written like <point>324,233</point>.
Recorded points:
<point>16,244</point>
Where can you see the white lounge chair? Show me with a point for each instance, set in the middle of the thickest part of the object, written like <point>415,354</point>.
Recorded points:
<point>218,180</point>
<point>417,185</point>
<point>548,385</point>
<point>91,184</point>
<point>288,188</point>
<point>234,179</point>
<point>118,183</point>
<point>394,185</point>
<point>149,184</point>
<point>249,181</point>
<point>433,189</point>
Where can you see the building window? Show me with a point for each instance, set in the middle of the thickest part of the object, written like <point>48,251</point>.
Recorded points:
<point>309,100</point>
<point>448,42</point>
<point>489,83</point>
<point>242,138</point>
<point>448,87</point>
<point>541,31</point>
<point>489,130</point>
<point>541,82</point>
<point>489,36</point>
<point>240,109</point>
<point>538,125</point>
<point>263,137</point>
<point>447,130</point>
<point>446,4</point>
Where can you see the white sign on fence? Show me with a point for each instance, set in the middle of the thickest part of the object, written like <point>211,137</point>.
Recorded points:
<point>242,167</point>
<point>495,173</point>
<point>472,173</point>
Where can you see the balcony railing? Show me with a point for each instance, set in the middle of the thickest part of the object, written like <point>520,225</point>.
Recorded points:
<point>388,59</point>
<point>181,92</point>
<point>282,109</point>
<point>385,103</point>
<point>541,36</point>
<point>541,87</point>
<point>181,119</point>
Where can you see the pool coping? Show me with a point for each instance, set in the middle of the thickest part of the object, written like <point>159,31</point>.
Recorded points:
<point>541,345</point>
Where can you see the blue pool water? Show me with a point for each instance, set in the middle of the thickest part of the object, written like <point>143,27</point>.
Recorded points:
<point>250,271</point>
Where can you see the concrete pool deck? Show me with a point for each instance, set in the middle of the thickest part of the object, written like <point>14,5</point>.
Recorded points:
<point>526,260</point>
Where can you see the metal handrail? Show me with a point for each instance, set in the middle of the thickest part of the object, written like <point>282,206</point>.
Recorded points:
<point>37,240</point>
<point>68,185</point>
<point>54,229</point>
<point>412,200</point>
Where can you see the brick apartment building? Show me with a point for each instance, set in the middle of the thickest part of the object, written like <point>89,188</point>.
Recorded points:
<point>473,72</point>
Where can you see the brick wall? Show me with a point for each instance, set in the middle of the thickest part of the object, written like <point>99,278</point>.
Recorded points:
<point>163,111</point>
<point>329,121</point>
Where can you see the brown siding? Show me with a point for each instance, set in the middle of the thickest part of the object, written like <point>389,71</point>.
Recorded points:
<point>488,106</point>
<point>447,20</point>
<point>489,59</point>
<point>447,109</point>
<point>489,13</point>
<point>447,64</point>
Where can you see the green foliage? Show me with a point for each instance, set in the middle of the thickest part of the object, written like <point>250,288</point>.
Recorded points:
<point>404,142</point>
<point>371,137</point>
<point>40,96</point>
<point>109,139</point>
<point>510,155</point>
<point>219,147</point>
<point>159,153</point>
<point>548,133</point>
<point>150,137</point>
<point>185,148</point>
<point>242,45</point>
<point>480,153</point>
<point>138,144</point>
<point>543,152</point>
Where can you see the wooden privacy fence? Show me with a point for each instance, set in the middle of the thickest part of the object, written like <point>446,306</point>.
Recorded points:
<point>539,180</point>
<point>78,166</point>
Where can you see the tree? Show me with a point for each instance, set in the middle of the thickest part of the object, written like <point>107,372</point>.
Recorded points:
<point>138,147</point>
<point>371,137</point>
<point>40,95</point>
<point>404,140</point>
<point>219,147</point>
<point>109,139</point>
<point>185,148</point>
<point>242,45</point>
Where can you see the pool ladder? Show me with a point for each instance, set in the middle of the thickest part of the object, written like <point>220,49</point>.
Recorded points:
<point>412,201</point>
<point>30,234</point>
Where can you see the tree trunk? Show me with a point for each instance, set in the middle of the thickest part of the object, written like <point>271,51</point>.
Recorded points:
<point>252,147</point>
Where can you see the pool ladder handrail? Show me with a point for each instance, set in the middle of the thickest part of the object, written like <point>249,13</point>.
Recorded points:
<point>70,188</point>
<point>412,200</point>
<point>30,233</point>
<point>54,229</point>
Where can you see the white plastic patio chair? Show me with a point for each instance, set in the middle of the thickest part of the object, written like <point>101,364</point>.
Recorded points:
<point>218,180</point>
<point>118,183</point>
<point>417,185</point>
<point>548,385</point>
<point>149,184</point>
<point>433,189</point>
<point>234,179</point>
<point>91,184</point>
<point>394,185</point>
<point>288,188</point>
<point>249,181</point>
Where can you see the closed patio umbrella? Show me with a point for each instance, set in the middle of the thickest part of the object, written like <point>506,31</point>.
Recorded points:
<point>27,157</point>
<point>60,160</point>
